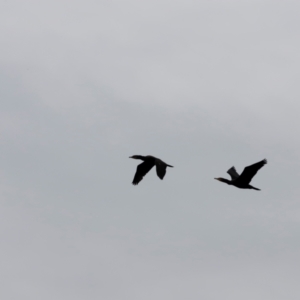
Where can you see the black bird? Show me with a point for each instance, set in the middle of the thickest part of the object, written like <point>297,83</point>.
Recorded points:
<point>147,164</point>
<point>242,181</point>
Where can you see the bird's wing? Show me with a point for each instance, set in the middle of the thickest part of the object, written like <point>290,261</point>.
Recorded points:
<point>233,173</point>
<point>250,171</point>
<point>161,168</point>
<point>141,170</point>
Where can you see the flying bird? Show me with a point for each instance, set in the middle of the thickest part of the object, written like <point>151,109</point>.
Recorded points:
<point>242,181</point>
<point>148,163</point>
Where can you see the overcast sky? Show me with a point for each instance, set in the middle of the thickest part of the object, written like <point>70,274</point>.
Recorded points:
<point>203,85</point>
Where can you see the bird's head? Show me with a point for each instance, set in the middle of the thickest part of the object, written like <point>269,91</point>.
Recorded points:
<point>223,180</point>
<point>219,178</point>
<point>135,156</point>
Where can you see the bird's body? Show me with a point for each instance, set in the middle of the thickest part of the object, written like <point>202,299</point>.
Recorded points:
<point>148,163</point>
<point>242,181</point>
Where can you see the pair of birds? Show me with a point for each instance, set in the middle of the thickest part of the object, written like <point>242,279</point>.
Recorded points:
<point>241,181</point>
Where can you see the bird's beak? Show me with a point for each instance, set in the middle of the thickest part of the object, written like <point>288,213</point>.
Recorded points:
<point>130,156</point>
<point>217,179</point>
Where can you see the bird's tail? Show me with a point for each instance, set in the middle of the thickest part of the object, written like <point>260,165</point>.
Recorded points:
<point>254,188</point>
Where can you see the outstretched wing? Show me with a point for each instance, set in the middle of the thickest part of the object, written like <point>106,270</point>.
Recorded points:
<point>161,168</point>
<point>141,170</point>
<point>250,171</point>
<point>233,173</point>
<point>161,171</point>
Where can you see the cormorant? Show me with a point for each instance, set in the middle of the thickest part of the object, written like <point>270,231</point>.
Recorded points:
<point>242,181</point>
<point>147,164</point>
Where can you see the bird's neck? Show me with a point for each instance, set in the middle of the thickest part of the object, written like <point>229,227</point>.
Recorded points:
<point>141,157</point>
<point>226,181</point>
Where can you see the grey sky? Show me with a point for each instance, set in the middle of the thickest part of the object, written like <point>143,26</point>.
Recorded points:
<point>203,85</point>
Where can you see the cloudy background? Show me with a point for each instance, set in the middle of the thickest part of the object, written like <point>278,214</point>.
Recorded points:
<point>204,85</point>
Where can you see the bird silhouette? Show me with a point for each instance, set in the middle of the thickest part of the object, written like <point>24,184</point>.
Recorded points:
<point>147,164</point>
<point>242,181</point>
